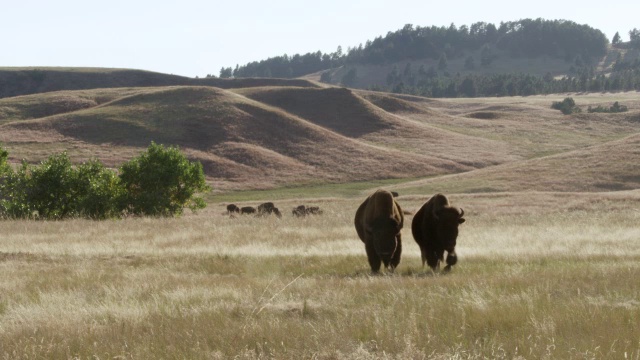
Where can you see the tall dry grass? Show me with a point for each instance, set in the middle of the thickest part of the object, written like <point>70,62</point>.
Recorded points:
<point>541,275</point>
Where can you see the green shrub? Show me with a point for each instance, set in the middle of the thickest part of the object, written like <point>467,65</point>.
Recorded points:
<point>567,106</point>
<point>45,191</point>
<point>615,108</point>
<point>99,192</point>
<point>161,182</point>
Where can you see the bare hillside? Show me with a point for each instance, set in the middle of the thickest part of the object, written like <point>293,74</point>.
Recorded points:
<point>263,137</point>
<point>607,167</point>
<point>241,142</point>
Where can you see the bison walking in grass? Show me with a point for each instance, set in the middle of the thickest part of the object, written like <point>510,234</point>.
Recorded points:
<point>232,208</point>
<point>302,210</point>
<point>378,222</point>
<point>435,229</point>
<point>247,210</point>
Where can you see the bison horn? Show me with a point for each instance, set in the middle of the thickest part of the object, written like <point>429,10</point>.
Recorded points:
<point>461,212</point>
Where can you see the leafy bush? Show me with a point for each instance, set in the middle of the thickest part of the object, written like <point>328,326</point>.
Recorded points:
<point>99,191</point>
<point>162,181</point>
<point>567,106</point>
<point>615,108</point>
<point>54,189</point>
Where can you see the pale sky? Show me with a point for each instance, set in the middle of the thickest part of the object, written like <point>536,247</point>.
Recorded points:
<point>198,37</point>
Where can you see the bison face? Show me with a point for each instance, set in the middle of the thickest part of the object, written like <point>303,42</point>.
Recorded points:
<point>383,234</point>
<point>448,220</point>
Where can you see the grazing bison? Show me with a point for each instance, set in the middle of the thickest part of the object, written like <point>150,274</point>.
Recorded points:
<point>247,210</point>
<point>378,222</point>
<point>268,208</point>
<point>232,208</point>
<point>313,210</point>
<point>301,210</point>
<point>435,229</point>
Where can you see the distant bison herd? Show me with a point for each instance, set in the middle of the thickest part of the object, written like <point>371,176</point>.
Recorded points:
<point>269,208</point>
<point>379,221</point>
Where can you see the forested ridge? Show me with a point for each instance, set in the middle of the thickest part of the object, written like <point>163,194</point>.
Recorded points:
<point>477,46</point>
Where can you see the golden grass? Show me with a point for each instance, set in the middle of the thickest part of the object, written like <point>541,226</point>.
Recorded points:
<point>541,275</point>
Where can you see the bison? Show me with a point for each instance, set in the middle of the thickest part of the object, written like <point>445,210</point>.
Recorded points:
<point>378,222</point>
<point>232,208</point>
<point>299,211</point>
<point>435,229</point>
<point>268,208</point>
<point>247,210</point>
<point>302,211</point>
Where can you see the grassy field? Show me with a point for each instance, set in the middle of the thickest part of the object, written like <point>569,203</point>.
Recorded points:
<point>541,275</point>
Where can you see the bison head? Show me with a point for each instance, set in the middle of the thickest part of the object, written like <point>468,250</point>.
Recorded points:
<point>447,220</point>
<point>383,233</point>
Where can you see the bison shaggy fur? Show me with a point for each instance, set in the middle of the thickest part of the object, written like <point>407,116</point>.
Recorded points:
<point>233,208</point>
<point>247,210</point>
<point>435,229</point>
<point>379,220</point>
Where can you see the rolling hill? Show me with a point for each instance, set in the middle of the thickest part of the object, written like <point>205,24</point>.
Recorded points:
<point>266,134</point>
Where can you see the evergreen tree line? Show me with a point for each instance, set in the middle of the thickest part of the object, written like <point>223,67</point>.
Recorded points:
<point>432,84</point>
<point>523,38</point>
<point>159,182</point>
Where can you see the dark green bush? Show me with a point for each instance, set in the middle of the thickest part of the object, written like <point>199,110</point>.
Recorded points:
<point>615,108</point>
<point>567,106</point>
<point>161,182</point>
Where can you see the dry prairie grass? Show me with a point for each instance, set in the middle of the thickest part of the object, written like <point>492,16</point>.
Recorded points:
<point>541,275</point>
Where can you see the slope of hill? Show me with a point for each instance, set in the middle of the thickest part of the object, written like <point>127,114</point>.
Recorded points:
<point>16,81</point>
<point>241,142</point>
<point>606,167</point>
<point>265,136</point>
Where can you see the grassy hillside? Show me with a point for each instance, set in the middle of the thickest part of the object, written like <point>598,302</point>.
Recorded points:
<point>241,142</point>
<point>16,81</point>
<point>256,136</point>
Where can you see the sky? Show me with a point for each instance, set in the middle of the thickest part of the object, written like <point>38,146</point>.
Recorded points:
<point>198,37</point>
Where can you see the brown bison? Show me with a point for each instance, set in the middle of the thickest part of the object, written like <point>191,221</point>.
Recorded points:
<point>302,211</point>
<point>268,208</point>
<point>435,229</point>
<point>299,211</point>
<point>378,222</point>
<point>232,208</point>
<point>247,210</point>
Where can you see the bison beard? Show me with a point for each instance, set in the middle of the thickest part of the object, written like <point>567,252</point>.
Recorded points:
<point>378,222</point>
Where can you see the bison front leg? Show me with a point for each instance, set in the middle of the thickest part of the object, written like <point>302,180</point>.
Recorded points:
<point>395,259</point>
<point>432,259</point>
<point>374,260</point>
<point>452,259</point>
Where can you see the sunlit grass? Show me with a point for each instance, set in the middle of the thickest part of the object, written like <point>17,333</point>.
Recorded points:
<point>533,281</point>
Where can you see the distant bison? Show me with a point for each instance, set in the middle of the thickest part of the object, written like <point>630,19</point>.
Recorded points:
<point>232,208</point>
<point>247,210</point>
<point>268,208</point>
<point>378,222</point>
<point>265,208</point>
<point>301,210</point>
<point>435,229</point>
